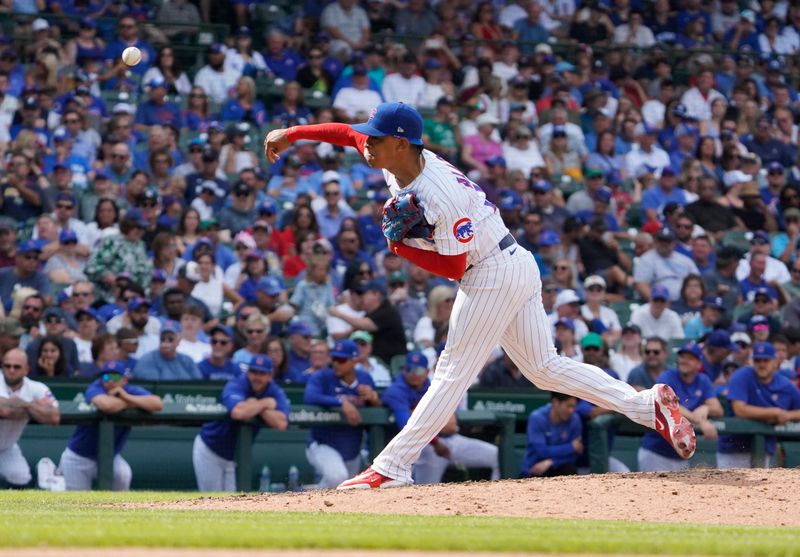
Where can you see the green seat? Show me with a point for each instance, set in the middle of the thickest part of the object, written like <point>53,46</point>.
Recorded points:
<point>673,346</point>
<point>623,311</point>
<point>397,364</point>
<point>738,239</point>
<point>633,216</point>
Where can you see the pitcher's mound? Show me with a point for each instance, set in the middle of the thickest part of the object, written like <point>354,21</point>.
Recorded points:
<point>744,497</point>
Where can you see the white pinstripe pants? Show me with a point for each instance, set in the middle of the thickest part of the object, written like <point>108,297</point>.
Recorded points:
<point>500,300</point>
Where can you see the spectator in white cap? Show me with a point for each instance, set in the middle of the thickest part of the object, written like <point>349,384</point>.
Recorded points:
<point>41,41</point>
<point>331,216</point>
<point>568,306</point>
<point>602,319</point>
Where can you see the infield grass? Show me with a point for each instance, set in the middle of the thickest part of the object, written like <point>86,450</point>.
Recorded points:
<point>35,518</point>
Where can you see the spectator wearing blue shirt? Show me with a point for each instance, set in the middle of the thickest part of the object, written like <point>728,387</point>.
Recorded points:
<point>330,216</point>
<point>700,325</point>
<point>165,363</point>
<point>697,402</point>
<point>252,395</point>
<point>335,451</point>
<point>602,202</point>
<point>16,73</point>
<point>244,106</point>
<point>128,35</point>
<point>743,33</point>
<point>157,110</point>
<point>110,393</point>
<point>553,438</point>
<point>528,31</point>
<point>218,365</point>
<point>405,392</point>
<point>30,113</point>
<point>24,273</point>
<point>300,335</point>
<point>666,191</point>
<point>757,393</point>
<point>256,330</point>
<point>281,60</point>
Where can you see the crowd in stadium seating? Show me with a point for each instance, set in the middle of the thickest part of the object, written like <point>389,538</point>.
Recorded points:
<point>645,152</point>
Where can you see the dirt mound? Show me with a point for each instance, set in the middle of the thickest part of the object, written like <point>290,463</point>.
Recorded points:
<point>743,497</point>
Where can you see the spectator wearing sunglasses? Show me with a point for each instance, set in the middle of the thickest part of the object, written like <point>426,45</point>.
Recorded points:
<point>644,375</point>
<point>25,273</point>
<point>110,393</point>
<point>335,451</point>
<point>165,363</point>
<point>218,365</point>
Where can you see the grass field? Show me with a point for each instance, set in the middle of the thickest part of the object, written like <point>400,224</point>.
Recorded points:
<point>34,518</point>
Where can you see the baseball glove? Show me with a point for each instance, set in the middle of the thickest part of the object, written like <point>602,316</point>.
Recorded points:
<point>403,218</point>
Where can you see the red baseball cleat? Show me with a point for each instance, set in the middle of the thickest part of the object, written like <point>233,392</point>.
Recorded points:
<point>370,479</point>
<point>672,426</point>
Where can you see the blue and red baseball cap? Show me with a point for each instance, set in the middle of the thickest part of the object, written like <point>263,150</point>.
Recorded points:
<point>114,366</point>
<point>260,363</point>
<point>763,351</point>
<point>659,292</point>
<point>345,349</point>
<point>393,119</point>
<point>416,363</point>
<point>692,348</point>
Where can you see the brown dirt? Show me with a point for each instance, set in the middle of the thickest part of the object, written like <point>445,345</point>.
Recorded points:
<point>741,497</point>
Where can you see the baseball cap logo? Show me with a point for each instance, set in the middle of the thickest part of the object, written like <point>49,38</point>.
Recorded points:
<point>372,113</point>
<point>400,130</point>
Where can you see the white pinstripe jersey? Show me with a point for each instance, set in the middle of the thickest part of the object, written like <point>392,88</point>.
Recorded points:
<point>465,221</point>
<point>11,430</point>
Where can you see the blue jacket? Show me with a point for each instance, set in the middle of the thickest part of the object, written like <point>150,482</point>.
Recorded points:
<point>325,389</point>
<point>220,436</point>
<point>549,440</point>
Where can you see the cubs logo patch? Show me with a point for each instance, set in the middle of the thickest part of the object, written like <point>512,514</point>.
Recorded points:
<point>463,230</point>
<point>372,113</point>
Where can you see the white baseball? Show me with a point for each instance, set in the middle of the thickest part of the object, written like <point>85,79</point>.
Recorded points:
<point>131,56</point>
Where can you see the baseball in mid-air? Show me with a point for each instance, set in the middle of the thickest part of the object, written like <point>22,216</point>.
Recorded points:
<point>131,56</point>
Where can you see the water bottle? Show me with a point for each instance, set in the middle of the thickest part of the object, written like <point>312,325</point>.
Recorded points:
<point>294,479</point>
<point>264,480</point>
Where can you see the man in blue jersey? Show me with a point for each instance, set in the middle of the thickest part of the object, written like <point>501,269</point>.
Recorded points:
<point>252,395</point>
<point>697,403</point>
<point>335,451</point>
<point>110,393</point>
<point>218,365</point>
<point>554,438</point>
<point>757,393</point>
<point>449,446</point>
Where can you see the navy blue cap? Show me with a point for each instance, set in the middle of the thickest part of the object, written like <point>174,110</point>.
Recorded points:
<point>138,302</point>
<point>692,348</point>
<point>114,366</point>
<point>509,200</point>
<point>564,322</point>
<point>603,195</point>
<point>345,348</point>
<point>216,48</point>
<point>91,312</point>
<point>760,237</point>
<point>267,207</point>
<point>541,185</point>
<point>496,161</point>
<point>765,291</point>
<point>60,135</point>
<point>757,320</point>
<point>666,235</point>
<point>775,167</point>
<point>221,329</point>
<point>271,286</point>
<point>659,292</point>
<point>88,23</point>
<point>242,31</point>
<point>67,236</point>
<point>170,326</point>
<point>721,339</point>
<point>29,246</point>
<point>763,351</point>
<point>549,238</point>
<point>299,328</point>
<point>64,196</point>
<point>775,66</point>
<point>156,82</point>
<point>260,363</point>
<point>713,302</point>
<point>393,119</point>
<point>375,285</point>
<point>416,360</point>
<point>158,276</point>
<point>137,216</point>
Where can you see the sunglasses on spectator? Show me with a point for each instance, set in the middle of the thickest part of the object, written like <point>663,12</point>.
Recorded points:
<point>52,320</point>
<point>340,360</point>
<point>220,341</point>
<point>112,377</point>
<point>81,294</point>
<point>651,352</point>
<point>595,288</point>
<point>31,308</point>
<point>255,331</point>
<point>66,206</point>
<point>330,193</point>
<point>12,366</point>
